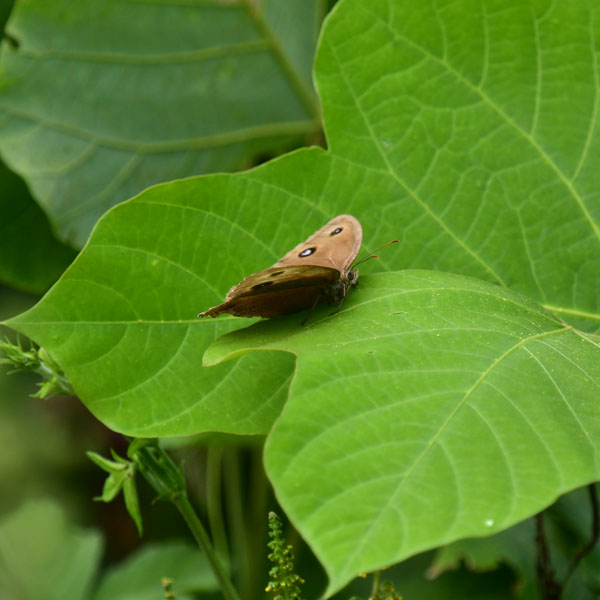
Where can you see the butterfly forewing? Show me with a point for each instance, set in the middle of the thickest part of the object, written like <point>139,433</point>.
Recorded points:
<point>335,245</point>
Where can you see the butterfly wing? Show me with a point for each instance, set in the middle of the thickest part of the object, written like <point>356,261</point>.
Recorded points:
<point>305,275</point>
<point>276,291</point>
<point>335,245</point>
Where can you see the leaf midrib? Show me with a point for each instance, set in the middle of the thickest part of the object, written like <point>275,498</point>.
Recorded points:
<point>237,136</point>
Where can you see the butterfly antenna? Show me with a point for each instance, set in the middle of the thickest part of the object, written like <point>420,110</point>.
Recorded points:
<point>373,255</point>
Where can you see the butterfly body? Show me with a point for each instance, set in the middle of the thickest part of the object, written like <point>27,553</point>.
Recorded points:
<point>317,270</point>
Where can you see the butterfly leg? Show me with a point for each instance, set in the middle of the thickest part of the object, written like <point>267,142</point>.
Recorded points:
<point>339,307</point>
<point>312,308</point>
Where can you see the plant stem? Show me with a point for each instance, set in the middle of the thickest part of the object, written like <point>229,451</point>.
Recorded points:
<point>257,522</point>
<point>185,508</point>
<point>550,589</point>
<point>236,518</point>
<point>376,578</point>
<point>161,473</point>
<point>594,537</point>
<point>214,499</point>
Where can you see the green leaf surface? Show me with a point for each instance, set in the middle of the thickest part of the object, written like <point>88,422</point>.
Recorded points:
<point>436,407</point>
<point>44,557</point>
<point>99,101</point>
<point>139,578</point>
<point>31,258</point>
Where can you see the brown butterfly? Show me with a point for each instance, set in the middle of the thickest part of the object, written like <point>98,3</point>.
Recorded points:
<point>317,270</point>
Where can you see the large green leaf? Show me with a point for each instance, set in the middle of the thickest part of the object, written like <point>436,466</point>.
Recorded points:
<point>100,100</point>
<point>434,407</point>
<point>469,132</point>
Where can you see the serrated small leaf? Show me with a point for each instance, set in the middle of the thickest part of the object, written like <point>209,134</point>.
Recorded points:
<point>113,484</point>
<point>110,466</point>
<point>121,460</point>
<point>132,503</point>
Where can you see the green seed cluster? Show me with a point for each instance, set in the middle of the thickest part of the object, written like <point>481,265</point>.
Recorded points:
<point>284,583</point>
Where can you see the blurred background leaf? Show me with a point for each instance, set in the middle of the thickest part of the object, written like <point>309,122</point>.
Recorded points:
<point>568,528</point>
<point>45,557</point>
<point>139,577</point>
<point>31,259</point>
<point>5,7</point>
<point>101,100</point>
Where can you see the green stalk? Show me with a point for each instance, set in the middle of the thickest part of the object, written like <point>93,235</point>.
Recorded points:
<point>235,509</point>
<point>161,473</point>
<point>257,521</point>
<point>375,588</point>
<point>198,531</point>
<point>214,498</point>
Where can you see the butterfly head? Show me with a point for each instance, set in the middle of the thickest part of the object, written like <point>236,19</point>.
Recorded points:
<point>350,278</point>
<point>337,290</point>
